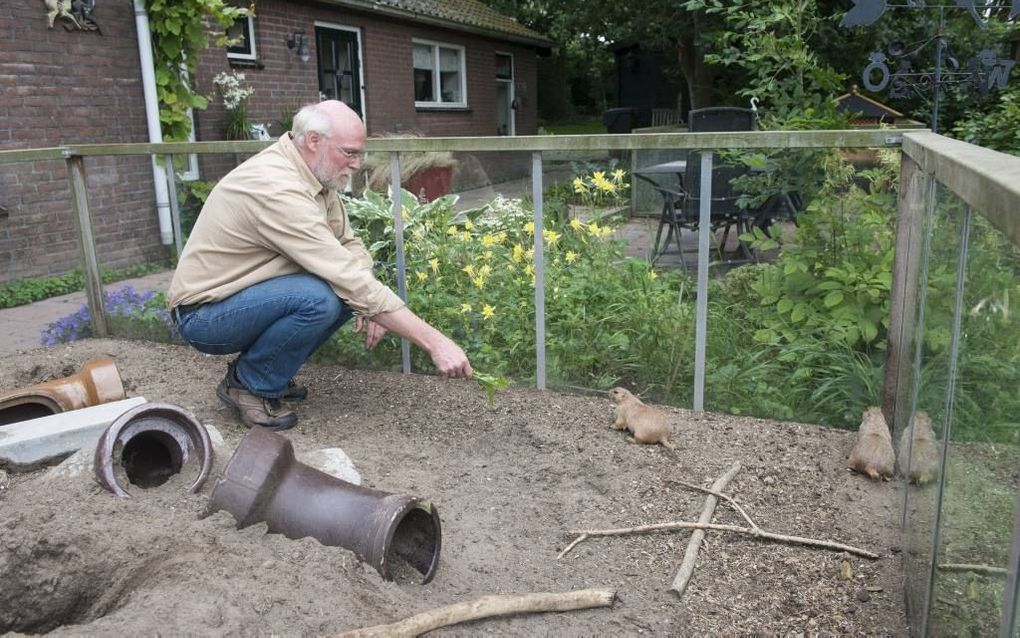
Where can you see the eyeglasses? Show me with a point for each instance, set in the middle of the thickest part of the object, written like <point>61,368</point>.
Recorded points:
<point>351,155</point>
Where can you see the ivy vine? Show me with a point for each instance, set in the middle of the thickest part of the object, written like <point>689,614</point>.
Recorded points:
<point>181,30</point>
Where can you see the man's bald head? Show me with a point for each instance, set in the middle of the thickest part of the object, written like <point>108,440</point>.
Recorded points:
<point>330,118</point>
<point>331,139</point>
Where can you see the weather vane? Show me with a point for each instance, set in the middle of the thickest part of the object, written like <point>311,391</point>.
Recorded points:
<point>982,73</point>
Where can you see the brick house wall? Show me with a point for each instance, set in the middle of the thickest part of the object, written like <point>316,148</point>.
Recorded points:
<point>62,87</point>
<point>65,87</point>
<point>282,83</point>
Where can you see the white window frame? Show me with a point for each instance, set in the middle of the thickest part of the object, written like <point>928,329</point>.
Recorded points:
<point>250,39</point>
<point>436,88</point>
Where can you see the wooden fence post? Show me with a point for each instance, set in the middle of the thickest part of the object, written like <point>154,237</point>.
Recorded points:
<point>913,200</point>
<point>83,219</point>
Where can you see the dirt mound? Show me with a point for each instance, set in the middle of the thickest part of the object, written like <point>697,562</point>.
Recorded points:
<point>508,481</point>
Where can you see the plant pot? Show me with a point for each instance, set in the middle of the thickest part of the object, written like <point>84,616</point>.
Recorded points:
<point>430,184</point>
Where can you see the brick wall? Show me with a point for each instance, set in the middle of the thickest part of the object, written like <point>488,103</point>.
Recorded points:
<point>61,87</point>
<point>282,82</point>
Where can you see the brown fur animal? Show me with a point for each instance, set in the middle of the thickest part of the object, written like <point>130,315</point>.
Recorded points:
<point>647,424</point>
<point>873,454</point>
<point>918,439</point>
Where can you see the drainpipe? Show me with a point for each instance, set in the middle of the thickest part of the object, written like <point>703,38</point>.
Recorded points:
<point>166,233</point>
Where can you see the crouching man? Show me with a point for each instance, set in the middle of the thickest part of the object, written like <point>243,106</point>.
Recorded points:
<point>272,269</point>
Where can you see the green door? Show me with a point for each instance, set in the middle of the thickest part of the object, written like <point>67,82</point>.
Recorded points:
<point>339,66</point>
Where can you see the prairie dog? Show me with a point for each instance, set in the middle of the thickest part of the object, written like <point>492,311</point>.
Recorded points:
<point>647,424</point>
<point>924,451</point>
<point>873,454</point>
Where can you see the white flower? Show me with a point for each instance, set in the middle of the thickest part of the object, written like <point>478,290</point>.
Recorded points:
<point>234,94</point>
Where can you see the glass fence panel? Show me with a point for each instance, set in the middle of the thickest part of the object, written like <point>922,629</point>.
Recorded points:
<point>799,283</point>
<point>931,378</point>
<point>983,451</point>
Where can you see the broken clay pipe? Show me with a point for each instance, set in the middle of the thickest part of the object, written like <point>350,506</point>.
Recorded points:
<point>264,482</point>
<point>98,382</point>
<point>151,443</point>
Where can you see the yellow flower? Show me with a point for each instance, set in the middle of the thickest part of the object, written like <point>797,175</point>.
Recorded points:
<point>487,255</point>
<point>618,174</point>
<point>405,214</point>
<point>529,270</point>
<point>571,256</point>
<point>465,236</point>
<point>576,224</point>
<point>579,186</point>
<point>434,263</point>
<point>489,240</point>
<point>518,253</point>
<point>551,236</point>
<point>529,228</point>
<point>488,311</point>
<point>468,225</point>
<point>469,269</point>
<point>593,228</point>
<point>465,307</point>
<point>485,270</point>
<point>479,282</point>
<point>652,275</point>
<point>606,231</point>
<point>422,276</point>
<point>452,230</point>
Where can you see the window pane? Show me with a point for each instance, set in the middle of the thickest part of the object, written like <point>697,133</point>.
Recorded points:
<point>423,86</point>
<point>504,67</point>
<point>423,57</point>
<point>449,74</point>
<point>449,59</point>
<point>451,86</point>
<point>240,31</point>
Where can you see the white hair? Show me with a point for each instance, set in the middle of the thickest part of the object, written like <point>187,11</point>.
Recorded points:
<point>310,119</point>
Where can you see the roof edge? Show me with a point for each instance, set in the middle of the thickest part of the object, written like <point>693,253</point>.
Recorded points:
<point>395,12</point>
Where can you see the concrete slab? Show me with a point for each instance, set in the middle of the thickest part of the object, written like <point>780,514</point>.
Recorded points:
<point>28,444</point>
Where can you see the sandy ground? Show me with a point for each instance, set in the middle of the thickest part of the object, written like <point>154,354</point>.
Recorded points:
<point>508,481</point>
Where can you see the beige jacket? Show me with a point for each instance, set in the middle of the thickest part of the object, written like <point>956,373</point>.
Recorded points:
<point>271,217</point>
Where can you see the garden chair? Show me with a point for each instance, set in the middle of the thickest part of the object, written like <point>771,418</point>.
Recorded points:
<point>681,211</point>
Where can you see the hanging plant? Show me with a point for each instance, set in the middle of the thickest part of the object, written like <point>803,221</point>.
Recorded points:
<point>181,30</point>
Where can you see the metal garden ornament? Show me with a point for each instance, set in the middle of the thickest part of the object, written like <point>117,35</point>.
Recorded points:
<point>897,72</point>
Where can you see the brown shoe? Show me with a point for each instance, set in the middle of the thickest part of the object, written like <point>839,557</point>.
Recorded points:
<point>254,410</point>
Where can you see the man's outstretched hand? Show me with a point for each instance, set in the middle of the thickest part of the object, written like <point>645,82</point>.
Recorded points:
<point>450,360</point>
<point>373,331</point>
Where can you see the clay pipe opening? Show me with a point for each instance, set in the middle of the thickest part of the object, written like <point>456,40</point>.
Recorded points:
<point>151,443</point>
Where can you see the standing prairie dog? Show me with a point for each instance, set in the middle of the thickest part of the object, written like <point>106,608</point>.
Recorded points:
<point>873,454</point>
<point>647,424</point>
<point>919,439</point>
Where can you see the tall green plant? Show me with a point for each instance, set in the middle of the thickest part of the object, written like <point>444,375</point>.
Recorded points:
<point>181,30</point>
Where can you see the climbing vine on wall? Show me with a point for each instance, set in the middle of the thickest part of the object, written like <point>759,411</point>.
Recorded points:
<point>181,30</point>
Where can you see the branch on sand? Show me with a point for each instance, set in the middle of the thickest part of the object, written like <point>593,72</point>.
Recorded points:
<point>487,607</point>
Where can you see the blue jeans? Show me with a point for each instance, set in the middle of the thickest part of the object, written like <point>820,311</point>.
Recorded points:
<point>275,324</point>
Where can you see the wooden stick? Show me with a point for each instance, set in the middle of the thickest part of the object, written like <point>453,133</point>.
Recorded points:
<point>988,570</point>
<point>487,607</point>
<point>694,544</point>
<point>760,533</point>
<point>571,546</point>
<point>740,510</point>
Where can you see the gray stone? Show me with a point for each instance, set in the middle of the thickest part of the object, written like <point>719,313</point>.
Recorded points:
<point>28,444</point>
<point>332,461</point>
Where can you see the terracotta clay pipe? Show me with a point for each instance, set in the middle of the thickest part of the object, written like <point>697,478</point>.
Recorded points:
<point>263,482</point>
<point>98,382</point>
